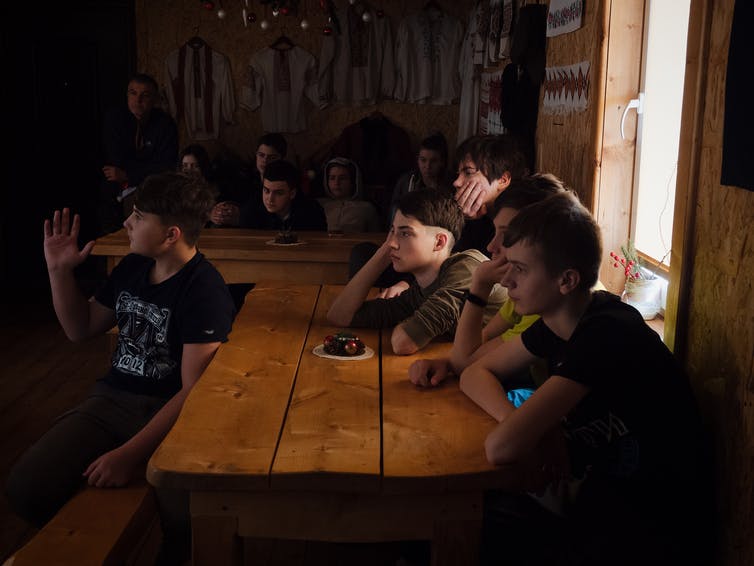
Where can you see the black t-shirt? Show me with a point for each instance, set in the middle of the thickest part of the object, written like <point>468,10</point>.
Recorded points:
<point>155,321</point>
<point>637,430</point>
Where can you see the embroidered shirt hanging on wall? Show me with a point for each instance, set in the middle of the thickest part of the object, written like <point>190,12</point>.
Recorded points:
<point>427,49</point>
<point>357,66</point>
<point>199,89</point>
<point>278,81</point>
<point>564,16</point>
<point>566,89</point>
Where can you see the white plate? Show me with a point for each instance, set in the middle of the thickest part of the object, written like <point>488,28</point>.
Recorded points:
<point>320,351</point>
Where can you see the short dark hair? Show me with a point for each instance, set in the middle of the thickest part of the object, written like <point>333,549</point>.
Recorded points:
<point>436,142</point>
<point>274,140</point>
<point>433,208</point>
<point>494,155</point>
<point>282,170</point>
<point>528,190</point>
<point>202,157</point>
<point>144,79</point>
<point>183,200</point>
<point>566,233</point>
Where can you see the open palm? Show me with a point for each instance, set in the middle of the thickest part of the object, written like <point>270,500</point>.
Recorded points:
<point>61,241</point>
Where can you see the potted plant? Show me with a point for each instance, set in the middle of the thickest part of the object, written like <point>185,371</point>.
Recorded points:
<point>642,287</point>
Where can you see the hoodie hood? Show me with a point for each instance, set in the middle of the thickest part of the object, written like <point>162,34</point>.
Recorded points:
<point>355,176</point>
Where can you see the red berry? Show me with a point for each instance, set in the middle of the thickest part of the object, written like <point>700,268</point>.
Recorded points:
<point>615,264</point>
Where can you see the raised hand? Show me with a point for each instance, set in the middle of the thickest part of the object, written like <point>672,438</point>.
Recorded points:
<point>61,242</point>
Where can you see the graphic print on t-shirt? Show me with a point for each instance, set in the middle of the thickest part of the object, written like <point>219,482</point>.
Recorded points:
<point>142,344</point>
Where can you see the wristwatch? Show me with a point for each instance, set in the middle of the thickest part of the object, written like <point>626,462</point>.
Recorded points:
<point>474,299</point>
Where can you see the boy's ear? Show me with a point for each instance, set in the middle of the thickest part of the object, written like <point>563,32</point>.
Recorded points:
<point>441,240</point>
<point>174,234</point>
<point>505,180</point>
<point>569,280</point>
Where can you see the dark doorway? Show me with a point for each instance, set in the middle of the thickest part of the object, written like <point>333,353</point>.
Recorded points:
<point>66,64</point>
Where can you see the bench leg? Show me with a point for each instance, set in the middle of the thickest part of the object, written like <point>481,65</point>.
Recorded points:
<point>215,541</point>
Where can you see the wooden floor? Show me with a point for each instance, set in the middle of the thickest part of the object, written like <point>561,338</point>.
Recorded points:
<point>42,374</point>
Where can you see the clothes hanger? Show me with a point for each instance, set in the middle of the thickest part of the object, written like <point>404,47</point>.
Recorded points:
<point>282,43</point>
<point>196,42</point>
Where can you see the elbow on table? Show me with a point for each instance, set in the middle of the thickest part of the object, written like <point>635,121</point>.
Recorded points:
<point>499,451</point>
<point>338,319</point>
<point>402,344</point>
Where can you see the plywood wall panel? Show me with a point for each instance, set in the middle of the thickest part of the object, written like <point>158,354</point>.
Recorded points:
<point>566,145</point>
<point>720,333</point>
<point>164,26</point>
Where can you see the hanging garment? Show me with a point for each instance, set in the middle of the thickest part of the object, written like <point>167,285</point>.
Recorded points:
<point>469,68</point>
<point>506,28</point>
<point>278,81</point>
<point>356,66</point>
<point>427,49</point>
<point>200,90</point>
<point>493,37</point>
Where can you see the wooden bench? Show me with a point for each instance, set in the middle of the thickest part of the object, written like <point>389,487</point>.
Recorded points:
<point>98,527</point>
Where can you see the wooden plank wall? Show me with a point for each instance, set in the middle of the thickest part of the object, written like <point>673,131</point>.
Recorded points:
<point>719,340</point>
<point>162,27</point>
<point>567,145</point>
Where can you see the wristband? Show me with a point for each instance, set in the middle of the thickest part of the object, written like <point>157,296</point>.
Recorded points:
<point>474,299</point>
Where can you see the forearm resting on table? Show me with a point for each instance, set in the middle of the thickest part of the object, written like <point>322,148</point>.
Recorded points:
<point>482,387</point>
<point>402,343</point>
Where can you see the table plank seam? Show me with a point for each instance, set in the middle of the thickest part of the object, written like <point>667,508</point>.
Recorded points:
<point>293,389</point>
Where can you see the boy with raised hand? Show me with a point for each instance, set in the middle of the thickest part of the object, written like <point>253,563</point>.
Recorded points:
<point>420,241</point>
<point>473,339</point>
<point>614,390</point>
<point>172,309</point>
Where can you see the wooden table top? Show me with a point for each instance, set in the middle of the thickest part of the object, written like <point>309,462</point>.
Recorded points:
<point>240,243</point>
<point>268,414</point>
<point>247,256</point>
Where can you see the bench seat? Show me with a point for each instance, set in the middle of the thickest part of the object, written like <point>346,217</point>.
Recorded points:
<point>96,527</point>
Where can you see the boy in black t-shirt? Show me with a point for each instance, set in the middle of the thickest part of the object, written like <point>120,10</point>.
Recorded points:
<point>172,309</point>
<point>615,392</point>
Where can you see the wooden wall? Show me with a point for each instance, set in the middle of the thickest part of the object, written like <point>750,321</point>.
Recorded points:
<point>567,145</point>
<point>719,339</point>
<point>163,26</point>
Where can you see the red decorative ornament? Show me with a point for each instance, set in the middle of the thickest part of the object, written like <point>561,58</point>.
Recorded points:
<point>208,5</point>
<point>351,348</point>
<point>285,10</point>
<point>327,30</point>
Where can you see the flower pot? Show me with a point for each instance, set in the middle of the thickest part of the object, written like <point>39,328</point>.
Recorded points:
<point>644,296</point>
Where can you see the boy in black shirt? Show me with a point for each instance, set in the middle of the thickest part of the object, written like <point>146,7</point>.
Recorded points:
<point>615,391</point>
<point>172,309</point>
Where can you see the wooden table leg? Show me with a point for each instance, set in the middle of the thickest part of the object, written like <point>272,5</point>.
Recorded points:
<point>456,543</point>
<point>215,541</point>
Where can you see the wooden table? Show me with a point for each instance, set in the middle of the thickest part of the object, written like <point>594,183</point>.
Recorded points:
<point>245,256</point>
<point>276,442</point>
